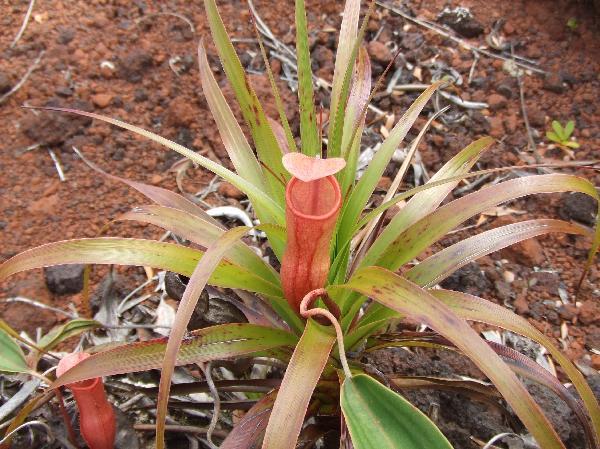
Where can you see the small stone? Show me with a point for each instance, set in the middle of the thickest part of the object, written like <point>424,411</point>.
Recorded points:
<point>140,95</point>
<point>568,311</point>
<point>503,290</point>
<point>64,91</point>
<point>134,65</point>
<point>64,279</point>
<point>230,191</point>
<point>65,35</point>
<point>496,101</point>
<point>508,28</point>
<point>180,113</point>
<point>379,52</point>
<point>5,83</point>
<point>508,276</point>
<point>496,127</point>
<point>156,179</point>
<point>537,116</point>
<point>554,83</point>
<point>384,183</point>
<point>102,100</point>
<point>589,312</point>
<point>505,90</point>
<point>579,207</point>
<point>461,20</point>
<point>521,305</point>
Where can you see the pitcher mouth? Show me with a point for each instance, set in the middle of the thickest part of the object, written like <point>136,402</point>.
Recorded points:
<point>330,209</point>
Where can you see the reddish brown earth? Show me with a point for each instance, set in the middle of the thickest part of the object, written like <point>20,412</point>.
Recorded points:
<point>112,57</point>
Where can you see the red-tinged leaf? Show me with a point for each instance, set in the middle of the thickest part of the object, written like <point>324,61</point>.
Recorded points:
<point>354,118</point>
<point>202,233</point>
<point>427,201</point>
<point>438,267</point>
<point>301,377</point>
<point>247,431</point>
<point>409,299</point>
<point>526,367</point>
<point>478,309</point>
<point>343,57</point>
<point>202,273</point>
<point>232,136</point>
<point>308,168</point>
<point>159,195</point>
<point>367,183</point>
<point>432,227</point>
<point>267,208</point>
<point>212,343</point>
<point>138,252</point>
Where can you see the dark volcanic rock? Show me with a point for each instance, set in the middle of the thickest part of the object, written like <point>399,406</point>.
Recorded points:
<point>579,207</point>
<point>469,279</point>
<point>53,128</point>
<point>461,20</point>
<point>64,279</point>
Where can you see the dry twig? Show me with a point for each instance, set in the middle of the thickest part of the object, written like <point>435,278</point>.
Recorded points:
<point>24,25</point>
<point>17,86</point>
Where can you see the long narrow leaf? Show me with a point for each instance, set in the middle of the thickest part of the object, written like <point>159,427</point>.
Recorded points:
<point>425,202</point>
<point>432,227</point>
<point>232,136</point>
<point>254,115</point>
<point>252,425</point>
<point>478,309</point>
<point>438,267</point>
<point>308,123</point>
<point>211,343</point>
<point>108,250</point>
<point>202,273</point>
<point>348,35</point>
<point>203,233</point>
<point>367,183</point>
<point>407,298</point>
<point>266,208</point>
<point>299,381</point>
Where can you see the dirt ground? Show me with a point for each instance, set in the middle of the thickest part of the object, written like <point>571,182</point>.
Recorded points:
<point>131,61</point>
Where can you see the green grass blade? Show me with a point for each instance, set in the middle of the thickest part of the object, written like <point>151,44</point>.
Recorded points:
<point>67,330</point>
<point>211,343</point>
<point>309,132</point>
<point>429,229</point>
<point>232,136</point>
<point>569,128</point>
<point>409,299</point>
<point>438,267</point>
<point>301,377</point>
<point>254,115</point>
<point>478,309</point>
<point>267,209</point>
<point>426,201</point>
<point>379,418</point>
<point>367,183</point>
<point>118,251</point>
<point>204,234</point>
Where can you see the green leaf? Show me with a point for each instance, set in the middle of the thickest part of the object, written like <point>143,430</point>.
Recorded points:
<point>212,343</point>
<point>438,267</point>
<point>432,227</point>
<point>252,111</point>
<point>301,377</point>
<point>232,136</point>
<point>308,124</point>
<point>558,129</point>
<point>553,137</point>
<point>478,309</point>
<point>569,128</point>
<point>572,144</point>
<point>12,359</point>
<point>109,250</point>
<point>67,330</point>
<point>204,234</point>
<point>408,299</point>
<point>367,183</point>
<point>425,202</point>
<point>379,418</point>
<point>268,210</point>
